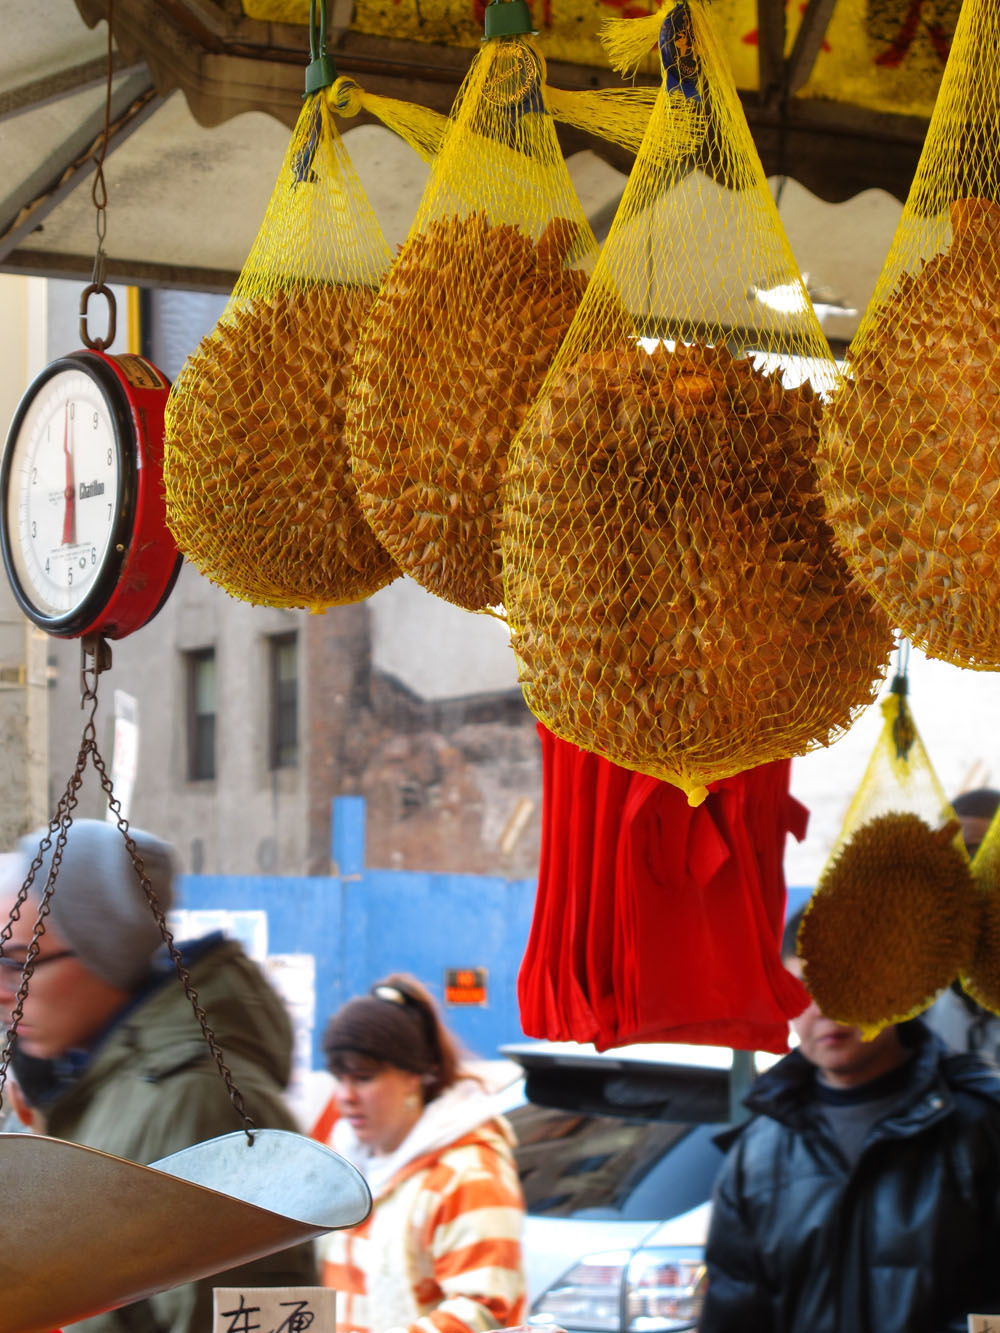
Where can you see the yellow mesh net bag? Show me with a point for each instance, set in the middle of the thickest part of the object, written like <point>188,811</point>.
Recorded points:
<point>909,462</point>
<point>675,600</point>
<point>469,319</point>
<point>895,913</point>
<point>258,485</point>
<point>980,975</point>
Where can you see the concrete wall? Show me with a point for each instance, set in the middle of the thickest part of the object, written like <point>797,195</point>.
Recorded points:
<point>248,819</point>
<point>23,684</point>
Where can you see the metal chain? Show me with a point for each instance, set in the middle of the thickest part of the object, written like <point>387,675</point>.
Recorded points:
<point>97,647</point>
<point>99,195</point>
<point>99,188</point>
<point>59,824</point>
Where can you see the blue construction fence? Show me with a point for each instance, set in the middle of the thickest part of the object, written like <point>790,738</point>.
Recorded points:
<point>358,924</point>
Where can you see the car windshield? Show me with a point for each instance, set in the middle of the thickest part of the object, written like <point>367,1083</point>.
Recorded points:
<point>594,1166</point>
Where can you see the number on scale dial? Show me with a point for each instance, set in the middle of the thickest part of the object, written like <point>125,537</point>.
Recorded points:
<point>64,491</point>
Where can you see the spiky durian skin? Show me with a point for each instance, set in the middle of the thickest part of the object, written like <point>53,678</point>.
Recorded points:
<point>675,599</point>
<point>257,479</point>
<point>908,459</point>
<point>891,923</point>
<point>458,345</point>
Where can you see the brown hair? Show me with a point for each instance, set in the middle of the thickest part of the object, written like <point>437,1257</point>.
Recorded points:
<point>396,1024</point>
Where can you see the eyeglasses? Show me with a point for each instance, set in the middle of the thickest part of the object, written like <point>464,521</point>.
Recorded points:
<point>17,964</point>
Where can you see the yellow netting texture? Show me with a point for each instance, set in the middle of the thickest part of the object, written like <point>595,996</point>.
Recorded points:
<point>618,115</point>
<point>895,913</point>
<point>910,465</point>
<point>258,485</point>
<point>419,126</point>
<point>465,327</point>
<point>981,974</point>
<point>899,778</point>
<point>675,600</point>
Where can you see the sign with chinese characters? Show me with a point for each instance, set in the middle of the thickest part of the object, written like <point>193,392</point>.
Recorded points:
<point>465,985</point>
<point>984,1323</point>
<point>274,1310</point>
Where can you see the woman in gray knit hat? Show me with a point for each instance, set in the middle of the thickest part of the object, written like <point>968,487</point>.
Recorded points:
<point>109,1050</point>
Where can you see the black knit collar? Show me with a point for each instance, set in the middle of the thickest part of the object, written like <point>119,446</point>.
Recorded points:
<point>786,1089</point>
<point>885,1085</point>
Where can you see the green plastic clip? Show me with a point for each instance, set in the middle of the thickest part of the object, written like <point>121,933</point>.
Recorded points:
<point>321,72</point>
<point>507,18</point>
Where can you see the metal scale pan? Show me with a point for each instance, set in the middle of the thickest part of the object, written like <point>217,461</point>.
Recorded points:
<point>82,1231</point>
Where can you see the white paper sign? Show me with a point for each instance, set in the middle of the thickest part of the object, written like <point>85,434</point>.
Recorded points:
<point>124,753</point>
<point>984,1323</point>
<point>274,1310</point>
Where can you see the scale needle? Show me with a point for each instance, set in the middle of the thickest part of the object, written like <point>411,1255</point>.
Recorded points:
<point>69,513</point>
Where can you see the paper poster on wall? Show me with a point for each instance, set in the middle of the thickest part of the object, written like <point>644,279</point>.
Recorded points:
<point>124,753</point>
<point>293,976</point>
<point>249,928</point>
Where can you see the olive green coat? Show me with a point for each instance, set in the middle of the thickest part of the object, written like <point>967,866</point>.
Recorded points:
<point>152,1088</point>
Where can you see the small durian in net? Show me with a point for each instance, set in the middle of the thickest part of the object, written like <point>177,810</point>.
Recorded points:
<point>258,484</point>
<point>892,922</point>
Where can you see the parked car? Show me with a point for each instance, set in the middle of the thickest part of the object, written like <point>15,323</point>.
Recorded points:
<point>617,1161</point>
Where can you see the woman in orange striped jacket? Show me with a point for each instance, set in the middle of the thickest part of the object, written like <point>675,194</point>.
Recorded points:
<point>441,1250</point>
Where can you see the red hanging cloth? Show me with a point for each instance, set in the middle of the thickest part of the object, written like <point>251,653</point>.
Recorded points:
<point>656,921</point>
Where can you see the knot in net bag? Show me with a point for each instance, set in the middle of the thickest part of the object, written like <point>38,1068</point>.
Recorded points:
<point>465,327</point>
<point>910,464</point>
<point>258,484</point>
<point>895,913</point>
<point>675,599</point>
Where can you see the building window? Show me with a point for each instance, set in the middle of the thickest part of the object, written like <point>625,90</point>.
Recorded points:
<point>283,748</point>
<point>201,714</point>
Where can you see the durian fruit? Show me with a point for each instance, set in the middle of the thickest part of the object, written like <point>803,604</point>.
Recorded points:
<point>461,337</point>
<point>909,458</point>
<point>675,599</point>
<point>981,974</point>
<point>259,493</point>
<point>893,920</point>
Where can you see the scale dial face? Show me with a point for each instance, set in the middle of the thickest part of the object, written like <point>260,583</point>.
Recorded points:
<point>67,486</point>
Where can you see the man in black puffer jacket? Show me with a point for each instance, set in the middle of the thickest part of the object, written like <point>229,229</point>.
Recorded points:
<point>864,1194</point>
